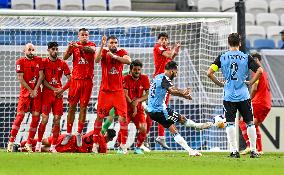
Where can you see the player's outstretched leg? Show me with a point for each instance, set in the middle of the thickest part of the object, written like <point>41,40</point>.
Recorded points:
<point>198,126</point>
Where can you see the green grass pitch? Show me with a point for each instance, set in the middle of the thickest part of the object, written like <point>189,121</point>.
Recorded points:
<point>156,163</point>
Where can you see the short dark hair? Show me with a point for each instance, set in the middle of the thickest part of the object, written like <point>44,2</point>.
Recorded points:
<point>111,133</point>
<point>171,65</point>
<point>52,44</point>
<point>83,29</point>
<point>136,63</point>
<point>111,37</point>
<point>163,34</point>
<point>256,55</point>
<point>234,39</point>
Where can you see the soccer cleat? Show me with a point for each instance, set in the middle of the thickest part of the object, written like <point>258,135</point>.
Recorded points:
<point>28,148</point>
<point>162,142</point>
<point>138,151</point>
<point>246,151</point>
<point>10,146</point>
<point>201,126</point>
<point>194,153</point>
<point>146,144</point>
<point>260,152</point>
<point>66,139</point>
<point>79,139</point>
<point>16,148</point>
<point>38,147</point>
<point>254,154</point>
<point>95,148</point>
<point>145,149</point>
<point>52,149</point>
<point>234,155</point>
<point>122,149</point>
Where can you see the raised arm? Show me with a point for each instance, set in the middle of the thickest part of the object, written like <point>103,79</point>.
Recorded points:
<point>125,59</point>
<point>173,52</point>
<point>68,52</point>
<point>99,53</point>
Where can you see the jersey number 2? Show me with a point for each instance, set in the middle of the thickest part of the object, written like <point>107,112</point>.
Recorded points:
<point>234,70</point>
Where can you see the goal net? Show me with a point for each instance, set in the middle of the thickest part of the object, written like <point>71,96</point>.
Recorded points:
<point>203,36</point>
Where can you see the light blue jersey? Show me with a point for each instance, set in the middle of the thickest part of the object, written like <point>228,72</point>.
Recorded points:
<point>235,67</point>
<point>158,93</point>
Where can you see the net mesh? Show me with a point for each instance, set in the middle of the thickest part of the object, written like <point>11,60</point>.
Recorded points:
<point>202,40</point>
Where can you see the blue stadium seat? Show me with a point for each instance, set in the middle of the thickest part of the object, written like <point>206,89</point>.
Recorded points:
<point>6,39</point>
<point>23,39</point>
<point>264,44</point>
<point>135,31</point>
<point>280,44</point>
<point>115,31</point>
<point>247,44</point>
<point>149,41</point>
<point>5,4</point>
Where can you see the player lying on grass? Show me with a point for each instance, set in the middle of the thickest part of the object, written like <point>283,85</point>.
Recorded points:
<point>159,112</point>
<point>71,146</point>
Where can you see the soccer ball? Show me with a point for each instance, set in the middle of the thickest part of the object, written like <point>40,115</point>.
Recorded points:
<point>219,121</point>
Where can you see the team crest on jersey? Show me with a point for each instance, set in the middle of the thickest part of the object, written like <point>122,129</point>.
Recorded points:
<point>53,81</point>
<point>83,61</point>
<point>161,48</point>
<point>37,65</point>
<point>33,80</point>
<point>18,67</point>
<point>59,68</point>
<point>113,71</point>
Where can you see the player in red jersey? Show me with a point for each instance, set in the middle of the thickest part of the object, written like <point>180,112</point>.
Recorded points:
<point>162,55</point>
<point>30,75</point>
<point>261,103</point>
<point>136,86</point>
<point>71,146</point>
<point>81,82</point>
<point>111,92</point>
<point>52,91</point>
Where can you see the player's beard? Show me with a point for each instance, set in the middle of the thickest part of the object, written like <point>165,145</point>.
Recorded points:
<point>54,56</point>
<point>172,76</point>
<point>113,50</point>
<point>136,75</point>
<point>30,56</point>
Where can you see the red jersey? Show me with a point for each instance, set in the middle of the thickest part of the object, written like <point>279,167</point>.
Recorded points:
<point>87,144</point>
<point>53,71</point>
<point>263,94</point>
<point>83,63</point>
<point>160,60</point>
<point>31,69</point>
<point>112,71</point>
<point>136,88</point>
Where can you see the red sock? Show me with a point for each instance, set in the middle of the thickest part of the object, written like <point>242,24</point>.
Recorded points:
<point>33,128</point>
<point>161,130</point>
<point>97,129</point>
<point>149,123</point>
<point>140,139</point>
<point>55,134</point>
<point>41,130</point>
<point>69,127</point>
<point>243,127</point>
<point>80,127</point>
<point>258,139</point>
<point>34,141</point>
<point>16,126</point>
<point>124,131</point>
<point>118,140</point>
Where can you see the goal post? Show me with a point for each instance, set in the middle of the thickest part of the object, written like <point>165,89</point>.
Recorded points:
<point>203,36</point>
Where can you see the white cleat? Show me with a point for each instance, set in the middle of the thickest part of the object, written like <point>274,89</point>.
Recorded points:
<point>145,149</point>
<point>95,148</point>
<point>52,149</point>
<point>38,147</point>
<point>201,126</point>
<point>10,146</point>
<point>122,149</point>
<point>28,148</point>
<point>194,153</point>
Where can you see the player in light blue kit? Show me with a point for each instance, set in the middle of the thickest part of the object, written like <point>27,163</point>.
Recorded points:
<point>159,112</point>
<point>235,67</point>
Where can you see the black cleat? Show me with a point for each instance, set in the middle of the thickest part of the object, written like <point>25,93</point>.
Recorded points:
<point>16,148</point>
<point>234,155</point>
<point>254,154</point>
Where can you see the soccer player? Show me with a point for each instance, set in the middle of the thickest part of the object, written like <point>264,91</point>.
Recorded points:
<point>235,66</point>
<point>52,91</point>
<point>136,87</point>
<point>81,82</point>
<point>162,55</point>
<point>111,92</point>
<point>30,75</point>
<point>71,146</point>
<point>159,112</point>
<point>261,105</point>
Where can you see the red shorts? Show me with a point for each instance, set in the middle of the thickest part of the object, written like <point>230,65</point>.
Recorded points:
<point>137,119</point>
<point>49,102</point>
<point>260,112</point>
<point>110,99</point>
<point>69,147</point>
<point>80,90</point>
<point>26,103</point>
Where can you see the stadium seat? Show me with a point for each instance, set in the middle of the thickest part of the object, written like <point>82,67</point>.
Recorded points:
<point>5,4</point>
<point>250,20</point>
<point>119,5</point>
<point>71,4</point>
<point>228,4</point>
<point>267,19</point>
<point>46,5</point>
<point>256,6</point>
<point>280,44</point>
<point>115,31</point>
<point>277,6</point>
<point>255,32</point>
<point>264,44</point>
<point>208,6</point>
<point>22,4</point>
<point>273,32</point>
<point>95,5</point>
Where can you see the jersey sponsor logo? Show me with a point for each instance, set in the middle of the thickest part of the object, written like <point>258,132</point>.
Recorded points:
<point>18,67</point>
<point>83,61</point>
<point>53,81</point>
<point>161,48</point>
<point>113,71</point>
<point>37,65</point>
<point>33,80</point>
<point>59,68</point>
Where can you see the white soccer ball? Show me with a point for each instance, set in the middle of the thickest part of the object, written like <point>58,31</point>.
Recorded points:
<point>219,121</point>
